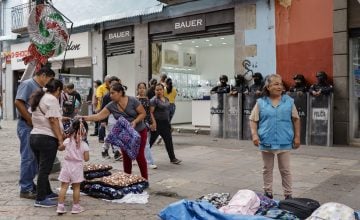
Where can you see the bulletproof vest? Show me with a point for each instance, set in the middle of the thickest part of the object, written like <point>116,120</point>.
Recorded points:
<point>239,89</point>
<point>324,87</point>
<point>223,89</point>
<point>301,88</point>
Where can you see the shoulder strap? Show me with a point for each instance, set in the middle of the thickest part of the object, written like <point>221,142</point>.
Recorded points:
<point>122,109</point>
<point>41,110</point>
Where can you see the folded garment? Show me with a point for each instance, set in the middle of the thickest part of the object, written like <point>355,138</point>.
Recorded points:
<point>96,168</point>
<point>265,204</point>
<point>217,199</point>
<point>123,135</point>
<point>120,179</point>
<point>110,193</point>
<point>96,174</point>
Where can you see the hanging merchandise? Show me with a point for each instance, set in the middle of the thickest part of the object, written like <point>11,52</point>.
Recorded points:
<point>48,35</point>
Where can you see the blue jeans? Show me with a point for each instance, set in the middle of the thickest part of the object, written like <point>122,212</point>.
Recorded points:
<point>172,110</point>
<point>148,155</point>
<point>28,165</point>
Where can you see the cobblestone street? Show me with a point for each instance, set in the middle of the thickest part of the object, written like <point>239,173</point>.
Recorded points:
<point>209,165</point>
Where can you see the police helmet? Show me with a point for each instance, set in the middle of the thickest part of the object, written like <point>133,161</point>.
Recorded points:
<point>258,75</point>
<point>299,77</point>
<point>224,78</point>
<point>239,77</point>
<point>321,74</point>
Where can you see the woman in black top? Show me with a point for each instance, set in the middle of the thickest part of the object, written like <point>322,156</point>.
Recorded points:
<point>160,115</point>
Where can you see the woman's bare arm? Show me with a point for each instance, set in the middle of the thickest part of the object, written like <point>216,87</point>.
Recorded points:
<point>97,117</point>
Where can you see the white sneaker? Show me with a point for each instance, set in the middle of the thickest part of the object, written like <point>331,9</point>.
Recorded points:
<point>153,166</point>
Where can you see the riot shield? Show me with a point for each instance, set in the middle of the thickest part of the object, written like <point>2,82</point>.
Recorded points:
<point>320,129</point>
<point>301,103</point>
<point>217,115</point>
<point>232,116</point>
<point>249,101</point>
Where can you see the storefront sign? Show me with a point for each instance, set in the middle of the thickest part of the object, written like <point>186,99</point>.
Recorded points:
<point>18,52</point>
<point>118,35</point>
<point>189,24</point>
<point>78,47</point>
<point>320,114</point>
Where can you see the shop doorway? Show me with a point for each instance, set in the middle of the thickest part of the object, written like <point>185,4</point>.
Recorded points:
<point>16,82</point>
<point>82,84</point>
<point>194,66</point>
<point>355,90</point>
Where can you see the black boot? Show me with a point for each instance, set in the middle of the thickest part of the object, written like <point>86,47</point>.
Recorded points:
<point>269,195</point>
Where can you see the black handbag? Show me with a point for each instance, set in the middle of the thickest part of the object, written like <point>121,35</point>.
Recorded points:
<point>301,207</point>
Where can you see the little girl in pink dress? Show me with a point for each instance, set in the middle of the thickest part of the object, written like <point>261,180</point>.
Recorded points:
<point>76,151</point>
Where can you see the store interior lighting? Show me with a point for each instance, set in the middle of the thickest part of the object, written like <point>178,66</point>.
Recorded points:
<point>223,41</point>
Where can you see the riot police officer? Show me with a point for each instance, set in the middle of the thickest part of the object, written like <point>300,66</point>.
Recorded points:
<point>223,87</point>
<point>300,86</point>
<point>322,87</point>
<point>258,84</point>
<point>240,85</point>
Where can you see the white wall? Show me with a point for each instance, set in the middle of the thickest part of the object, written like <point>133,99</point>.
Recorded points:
<point>264,37</point>
<point>97,55</point>
<point>123,67</point>
<point>215,61</point>
<point>141,53</point>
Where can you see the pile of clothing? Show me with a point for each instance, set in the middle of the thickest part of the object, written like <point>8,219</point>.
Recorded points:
<point>92,171</point>
<point>101,183</point>
<point>248,205</point>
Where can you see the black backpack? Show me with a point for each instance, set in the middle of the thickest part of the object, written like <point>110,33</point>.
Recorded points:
<point>301,207</point>
<point>69,105</point>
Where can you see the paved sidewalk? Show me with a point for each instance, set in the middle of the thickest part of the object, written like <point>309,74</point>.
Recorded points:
<point>209,165</point>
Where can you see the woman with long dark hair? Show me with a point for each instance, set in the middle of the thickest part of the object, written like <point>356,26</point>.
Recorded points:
<point>46,137</point>
<point>160,114</point>
<point>131,109</point>
<point>145,102</point>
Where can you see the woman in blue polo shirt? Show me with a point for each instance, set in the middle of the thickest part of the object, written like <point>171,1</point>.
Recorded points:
<point>275,129</point>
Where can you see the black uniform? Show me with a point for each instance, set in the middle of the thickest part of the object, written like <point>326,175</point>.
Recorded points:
<point>221,89</point>
<point>325,88</point>
<point>258,83</point>
<point>322,84</point>
<point>300,84</point>
<point>240,89</point>
<point>240,85</point>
